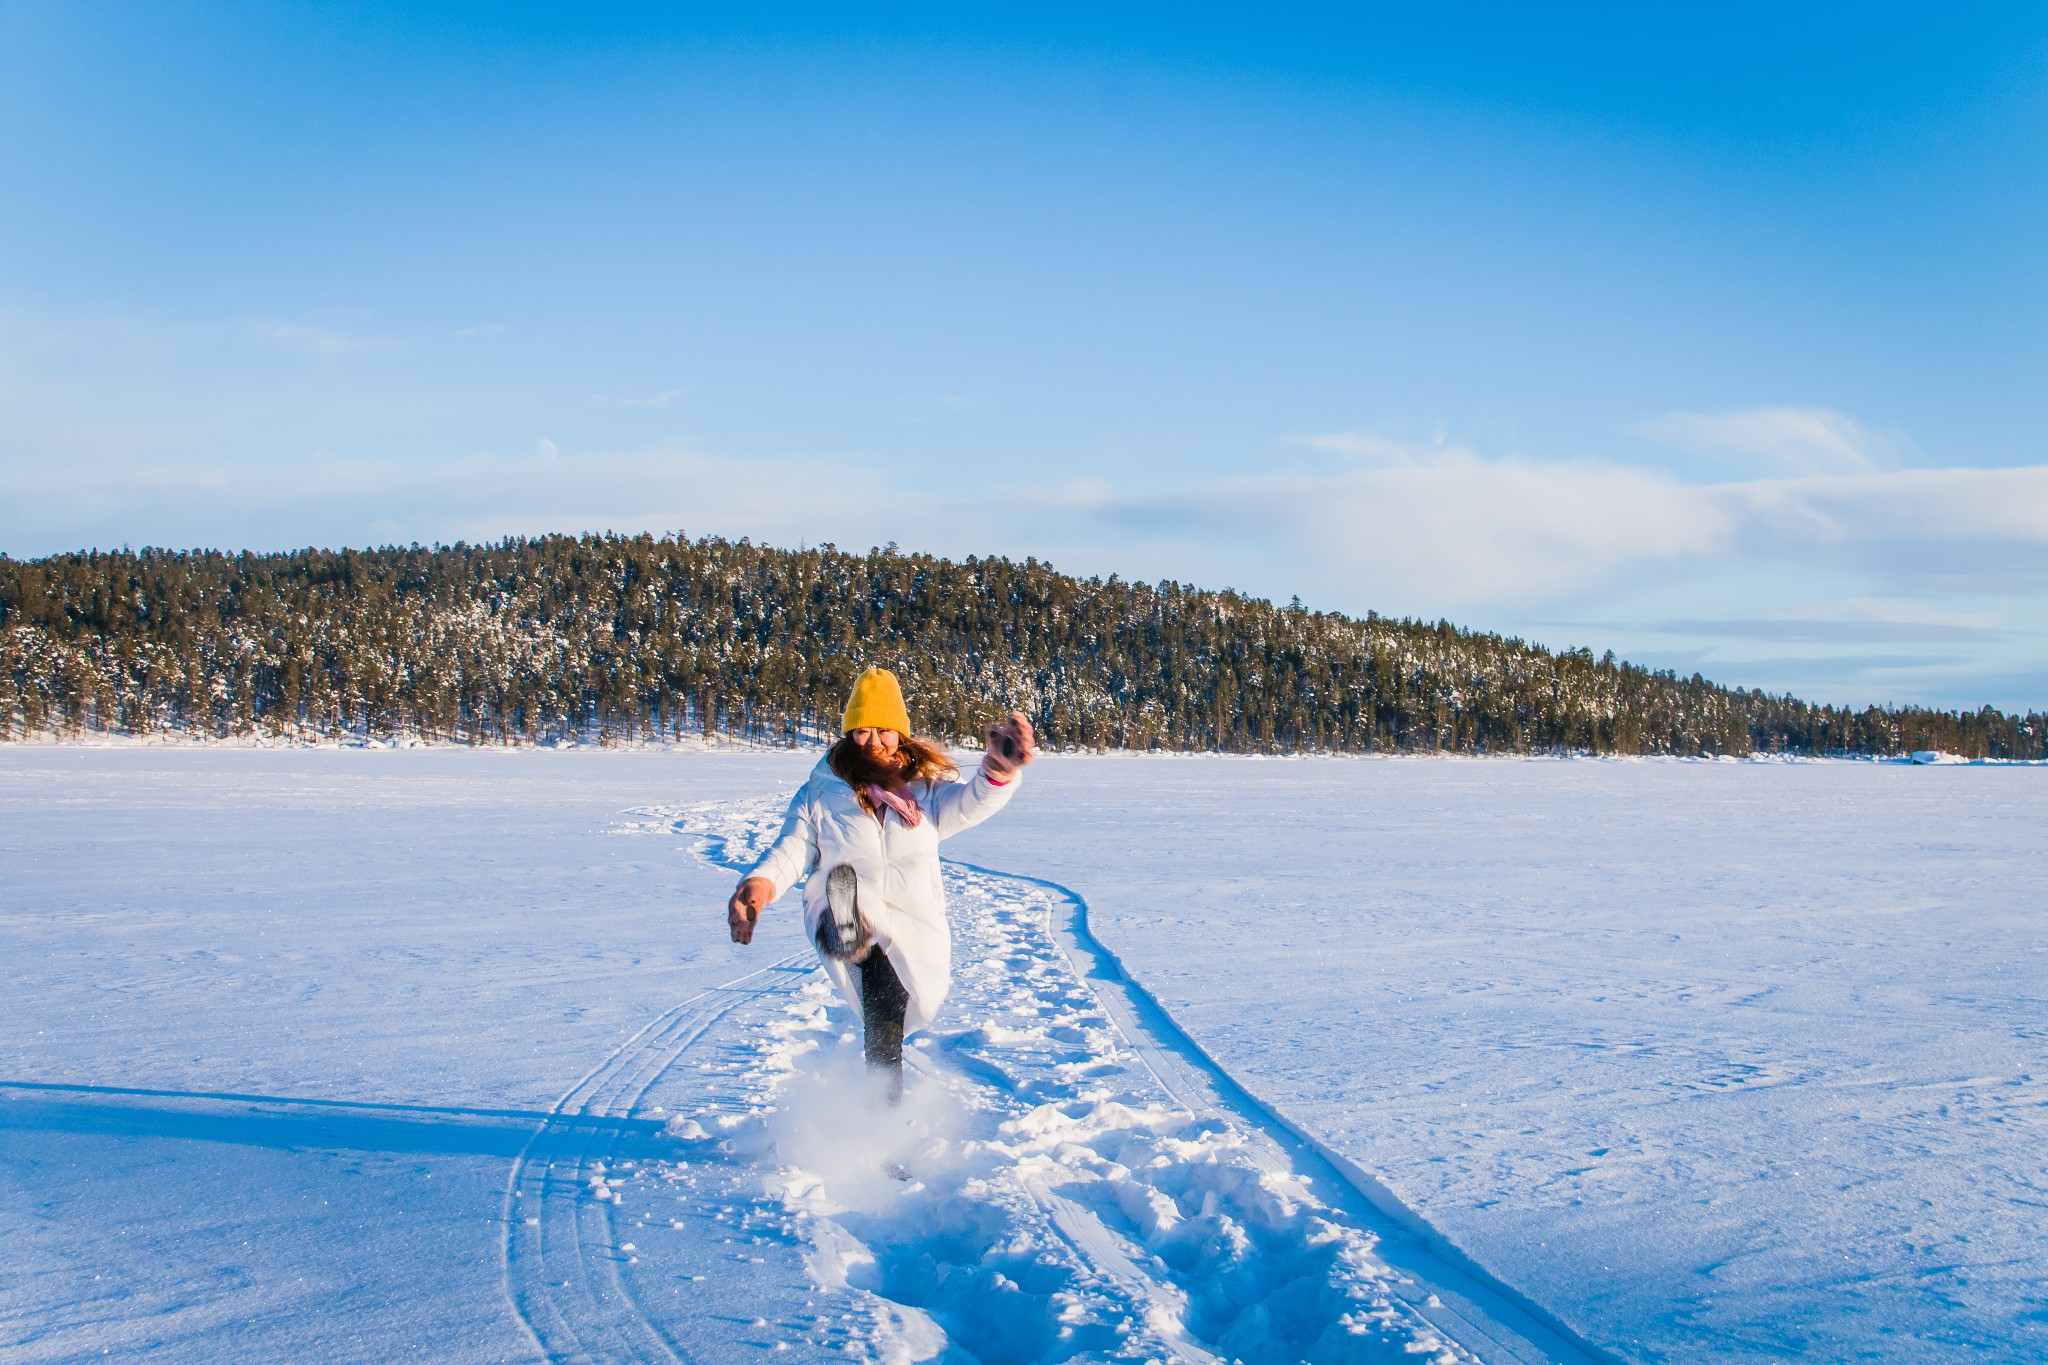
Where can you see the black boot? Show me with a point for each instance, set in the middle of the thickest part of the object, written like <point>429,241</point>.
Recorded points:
<point>842,933</point>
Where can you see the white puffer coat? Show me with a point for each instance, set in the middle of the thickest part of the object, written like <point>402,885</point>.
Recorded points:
<point>826,826</point>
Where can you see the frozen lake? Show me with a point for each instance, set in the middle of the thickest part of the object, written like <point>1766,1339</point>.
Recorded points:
<point>1704,1061</point>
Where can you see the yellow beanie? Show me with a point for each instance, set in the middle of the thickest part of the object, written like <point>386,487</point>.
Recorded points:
<point>877,702</point>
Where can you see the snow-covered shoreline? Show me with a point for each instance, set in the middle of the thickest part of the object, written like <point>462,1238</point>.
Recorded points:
<point>730,744</point>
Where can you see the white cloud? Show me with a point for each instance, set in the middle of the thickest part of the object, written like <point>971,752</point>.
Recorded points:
<point>1918,559</point>
<point>1448,524</point>
<point>1793,440</point>
<point>1898,612</point>
<point>1363,520</point>
<point>349,500</point>
<point>1372,448</point>
<point>1441,530</point>
<point>1904,505</point>
<point>314,337</point>
<point>659,400</point>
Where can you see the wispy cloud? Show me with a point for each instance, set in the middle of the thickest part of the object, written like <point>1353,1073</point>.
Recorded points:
<point>924,409</point>
<point>483,496</point>
<point>659,400</point>
<point>1448,522</point>
<point>483,329</point>
<point>1821,631</point>
<point>1374,448</point>
<point>318,338</point>
<point>1443,527</point>
<point>1861,562</point>
<point>1791,440</point>
<point>1901,506</point>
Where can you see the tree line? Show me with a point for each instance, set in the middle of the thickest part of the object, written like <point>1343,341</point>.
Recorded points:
<point>611,637</point>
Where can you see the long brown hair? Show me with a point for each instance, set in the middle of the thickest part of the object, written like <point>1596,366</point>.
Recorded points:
<point>919,761</point>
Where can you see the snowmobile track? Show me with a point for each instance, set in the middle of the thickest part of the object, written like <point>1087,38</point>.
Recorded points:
<point>1114,1194</point>
<point>562,1263</point>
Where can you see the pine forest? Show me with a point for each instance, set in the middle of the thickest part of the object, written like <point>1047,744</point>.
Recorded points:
<point>611,638</point>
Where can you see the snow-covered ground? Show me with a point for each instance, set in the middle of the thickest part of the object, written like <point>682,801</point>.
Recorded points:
<point>1714,1060</point>
<point>440,1054</point>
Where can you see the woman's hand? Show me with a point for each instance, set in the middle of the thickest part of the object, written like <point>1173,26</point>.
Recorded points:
<point>749,899</point>
<point>1009,747</point>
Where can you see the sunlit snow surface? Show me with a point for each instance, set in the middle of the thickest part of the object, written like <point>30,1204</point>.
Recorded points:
<point>348,1055</point>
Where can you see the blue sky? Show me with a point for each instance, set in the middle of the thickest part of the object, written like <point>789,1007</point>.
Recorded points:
<point>1715,338</point>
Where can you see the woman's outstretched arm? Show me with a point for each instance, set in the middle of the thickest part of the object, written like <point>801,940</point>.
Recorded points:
<point>961,805</point>
<point>793,854</point>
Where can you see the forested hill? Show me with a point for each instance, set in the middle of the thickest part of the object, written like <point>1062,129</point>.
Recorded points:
<point>636,637</point>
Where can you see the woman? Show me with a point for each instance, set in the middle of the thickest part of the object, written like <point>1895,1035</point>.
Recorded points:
<point>865,831</point>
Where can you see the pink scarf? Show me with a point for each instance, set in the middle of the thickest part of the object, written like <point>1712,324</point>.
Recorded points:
<point>903,803</point>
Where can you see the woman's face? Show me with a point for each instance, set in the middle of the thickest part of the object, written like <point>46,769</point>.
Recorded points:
<point>879,745</point>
